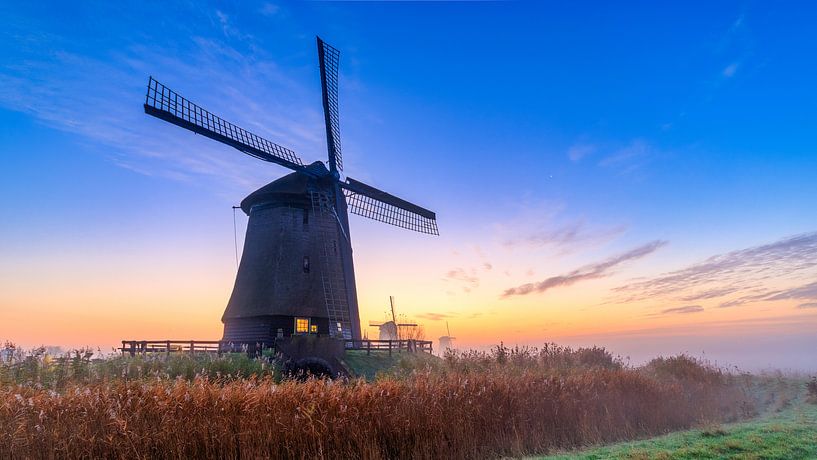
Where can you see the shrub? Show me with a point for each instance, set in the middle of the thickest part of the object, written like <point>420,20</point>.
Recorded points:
<point>36,368</point>
<point>811,388</point>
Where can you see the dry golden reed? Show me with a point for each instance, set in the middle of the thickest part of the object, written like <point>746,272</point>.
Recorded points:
<point>459,412</point>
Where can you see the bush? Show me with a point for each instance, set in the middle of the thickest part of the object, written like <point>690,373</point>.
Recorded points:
<point>38,369</point>
<point>811,388</point>
<point>550,358</point>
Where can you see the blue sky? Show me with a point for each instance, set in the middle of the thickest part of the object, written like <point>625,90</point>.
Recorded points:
<point>550,139</point>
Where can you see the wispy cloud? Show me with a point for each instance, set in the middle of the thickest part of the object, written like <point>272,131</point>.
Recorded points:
<point>546,226</point>
<point>588,272</point>
<point>736,45</point>
<point>567,237</point>
<point>806,291</point>
<point>580,150</point>
<point>761,294</point>
<point>467,279</point>
<point>269,9</point>
<point>55,81</point>
<point>709,294</point>
<point>808,305</point>
<point>729,71</point>
<point>434,316</point>
<point>683,310</point>
<point>748,272</point>
<point>631,157</point>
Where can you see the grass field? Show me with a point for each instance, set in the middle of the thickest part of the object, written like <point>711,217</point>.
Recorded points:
<point>381,362</point>
<point>785,433</point>
<point>506,402</point>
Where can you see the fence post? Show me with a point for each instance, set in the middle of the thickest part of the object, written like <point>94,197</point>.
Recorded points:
<point>167,349</point>
<point>390,347</point>
<point>369,347</point>
<point>192,347</point>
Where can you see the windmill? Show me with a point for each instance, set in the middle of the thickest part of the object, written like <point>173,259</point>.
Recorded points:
<point>296,274</point>
<point>446,341</point>
<point>390,330</point>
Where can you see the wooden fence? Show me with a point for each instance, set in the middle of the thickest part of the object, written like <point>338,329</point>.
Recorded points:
<point>134,347</point>
<point>399,346</point>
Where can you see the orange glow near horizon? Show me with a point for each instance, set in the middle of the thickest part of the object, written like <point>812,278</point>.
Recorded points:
<point>90,307</point>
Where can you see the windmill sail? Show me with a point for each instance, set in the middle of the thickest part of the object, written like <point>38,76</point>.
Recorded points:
<point>166,104</point>
<point>367,201</point>
<point>328,58</point>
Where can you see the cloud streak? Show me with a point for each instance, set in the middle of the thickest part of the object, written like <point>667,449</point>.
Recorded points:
<point>683,310</point>
<point>747,270</point>
<point>588,272</point>
<point>729,71</point>
<point>580,150</point>
<point>468,280</point>
<point>748,273</point>
<point>55,81</point>
<point>434,316</point>
<point>545,226</point>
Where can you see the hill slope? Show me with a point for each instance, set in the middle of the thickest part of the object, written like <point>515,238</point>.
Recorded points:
<point>787,435</point>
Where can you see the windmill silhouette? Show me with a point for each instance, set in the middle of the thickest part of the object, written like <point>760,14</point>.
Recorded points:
<point>390,330</point>
<point>294,221</point>
<point>446,341</point>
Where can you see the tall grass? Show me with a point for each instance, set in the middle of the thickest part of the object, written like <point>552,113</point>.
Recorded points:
<point>39,369</point>
<point>472,405</point>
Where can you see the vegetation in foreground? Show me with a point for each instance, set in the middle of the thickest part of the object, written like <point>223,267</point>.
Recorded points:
<point>470,405</point>
<point>38,369</point>
<point>787,432</point>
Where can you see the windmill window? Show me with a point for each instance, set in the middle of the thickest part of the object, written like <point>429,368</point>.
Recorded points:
<point>306,264</point>
<point>313,328</point>
<point>301,325</point>
<point>306,218</point>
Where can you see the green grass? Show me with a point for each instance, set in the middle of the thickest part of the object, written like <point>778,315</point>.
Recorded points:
<point>789,434</point>
<point>381,363</point>
<point>43,371</point>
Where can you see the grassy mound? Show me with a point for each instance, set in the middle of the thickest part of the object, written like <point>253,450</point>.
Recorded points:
<point>787,431</point>
<point>379,362</point>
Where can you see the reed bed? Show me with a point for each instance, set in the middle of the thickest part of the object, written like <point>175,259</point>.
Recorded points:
<point>509,402</point>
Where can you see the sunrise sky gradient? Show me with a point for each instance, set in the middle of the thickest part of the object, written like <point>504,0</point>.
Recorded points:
<point>641,177</point>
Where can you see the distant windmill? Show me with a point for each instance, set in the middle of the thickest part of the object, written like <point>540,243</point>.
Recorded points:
<point>446,341</point>
<point>391,330</point>
<point>296,274</point>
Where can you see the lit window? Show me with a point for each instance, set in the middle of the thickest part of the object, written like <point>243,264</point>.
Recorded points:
<point>306,264</point>
<point>301,325</point>
<point>313,328</point>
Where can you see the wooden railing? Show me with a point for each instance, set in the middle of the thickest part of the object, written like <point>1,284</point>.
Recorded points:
<point>399,346</point>
<point>134,347</point>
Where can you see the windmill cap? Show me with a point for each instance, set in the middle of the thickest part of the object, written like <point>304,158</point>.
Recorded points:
<point>291,189</point>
